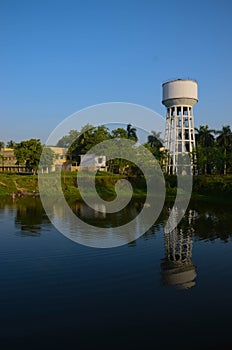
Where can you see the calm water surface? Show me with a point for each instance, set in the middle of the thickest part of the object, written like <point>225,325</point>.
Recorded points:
<point>165,290</point>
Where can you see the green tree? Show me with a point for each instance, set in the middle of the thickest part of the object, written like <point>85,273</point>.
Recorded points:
<point>89,136</point>
<point>204,136</point>
<point>67,140</point>
<point>209,159</point>
<point>155,145</point>
<point>224,140</point>
<point>131,133</point>
<point>2,144</point>
<point>118,165</point>
<point>10,144</point>
<point>28,153</point>
<point>205,142</point>
<point>155,139</point>
<point>47,158</point>
<point>119,133</point>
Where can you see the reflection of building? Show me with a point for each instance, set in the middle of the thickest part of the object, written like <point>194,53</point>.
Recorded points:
<point>89,213</point>
<point>177,267</point>
<point>8,161</point>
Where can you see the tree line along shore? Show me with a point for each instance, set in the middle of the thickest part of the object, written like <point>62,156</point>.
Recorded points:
<point>212,156</point>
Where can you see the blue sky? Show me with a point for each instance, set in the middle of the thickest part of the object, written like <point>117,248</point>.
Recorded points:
<point>57,57</point>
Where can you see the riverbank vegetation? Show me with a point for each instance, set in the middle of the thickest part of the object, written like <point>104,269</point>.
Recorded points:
<point>204,185</point>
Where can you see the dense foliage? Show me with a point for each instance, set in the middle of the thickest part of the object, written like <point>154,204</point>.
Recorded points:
<point>80,142</point>
<point>214,150</point>
<point>29,153</point>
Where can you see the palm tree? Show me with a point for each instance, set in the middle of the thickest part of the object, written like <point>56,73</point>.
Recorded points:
<point>205,142</point>
<point>224,140</point>
<point>131,133</point>
<point>154,140</point>
<point>10,144</point>
<point>204,136</point>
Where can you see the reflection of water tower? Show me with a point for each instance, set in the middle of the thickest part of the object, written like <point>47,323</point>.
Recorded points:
<point>177,268</point>
<point>179,96</point>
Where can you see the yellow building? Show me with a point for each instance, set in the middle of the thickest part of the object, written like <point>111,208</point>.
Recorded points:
<point>8,161</point>
<point>60,159</point>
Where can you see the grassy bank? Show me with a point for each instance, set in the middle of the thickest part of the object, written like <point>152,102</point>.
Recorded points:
<point>207,186</point>
<point>12,183</point>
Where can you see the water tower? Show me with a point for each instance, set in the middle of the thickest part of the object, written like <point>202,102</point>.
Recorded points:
<point>179,97</point>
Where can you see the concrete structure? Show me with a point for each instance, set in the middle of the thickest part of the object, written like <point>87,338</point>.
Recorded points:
<point>179,97</point>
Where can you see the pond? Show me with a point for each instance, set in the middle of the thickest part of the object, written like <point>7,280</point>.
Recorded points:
<point>166,289</point>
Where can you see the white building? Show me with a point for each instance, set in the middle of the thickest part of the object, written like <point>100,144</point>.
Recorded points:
<point>92,162</point>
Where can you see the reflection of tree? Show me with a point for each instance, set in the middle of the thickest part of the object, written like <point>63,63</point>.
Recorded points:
<point>30,216</point>
<point>213,220</point>
<point>210,220</point>
<point>203,220</point>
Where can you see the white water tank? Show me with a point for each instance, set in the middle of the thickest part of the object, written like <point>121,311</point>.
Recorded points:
<point>180,92</point>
